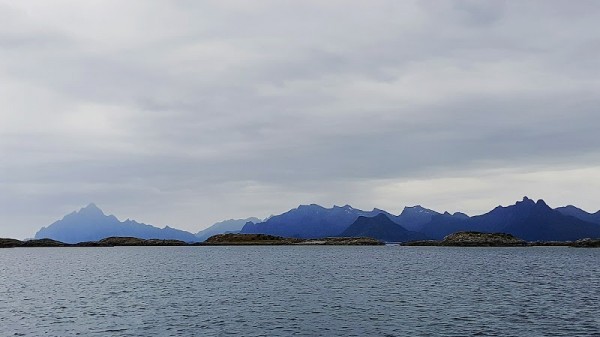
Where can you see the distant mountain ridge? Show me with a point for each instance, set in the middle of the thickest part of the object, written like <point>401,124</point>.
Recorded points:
<point>527,219</point>
<point>314,221</point>
<point>309,222</point>
<point>226,226</point>
<point>91,224</point>
<point>415,217</point>
<point>580,214</point>
<point>381,227</point>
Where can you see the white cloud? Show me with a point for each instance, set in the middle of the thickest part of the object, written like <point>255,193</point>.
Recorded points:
<point>185,113</point>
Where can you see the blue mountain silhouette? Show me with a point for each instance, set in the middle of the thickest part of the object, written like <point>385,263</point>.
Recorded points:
<point>381,227</point>
<point>91,224</point>
<point>226,226</point>
<point>527,219</point>
<point>309,221</point>
<point>580,214</point>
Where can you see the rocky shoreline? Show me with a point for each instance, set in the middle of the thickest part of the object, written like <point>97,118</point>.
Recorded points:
<point>459,239</point>
<point>271,240</point>
<point>478,239</point>
<point>217,240</point>
<point>107,242</point>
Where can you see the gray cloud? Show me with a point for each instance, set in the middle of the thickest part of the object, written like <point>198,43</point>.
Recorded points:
<point>184,113</point>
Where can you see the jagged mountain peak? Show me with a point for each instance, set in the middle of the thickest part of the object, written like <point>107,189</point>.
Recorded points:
<point>91,224</point>
<point>91,209</point>
<point>526,201</point>
<point>310,207</point>
<point>417,209</point>
<point>542,203</point>
<point>380,227</point>
<point>460,215</point>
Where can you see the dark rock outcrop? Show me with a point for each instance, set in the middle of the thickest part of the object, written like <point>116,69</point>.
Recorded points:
<point>586,243</point>
<point>268,240</point>
<point>10,243</point>
<point>249,239</point>
<point>42,243</point>
<point>477,239</point>
<point>341,241</point>
<point>131,241</point>
<point>217,240</point>
<point>474,239</point>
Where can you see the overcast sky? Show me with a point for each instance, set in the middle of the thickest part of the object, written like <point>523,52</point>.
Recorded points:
<point>184,113</point>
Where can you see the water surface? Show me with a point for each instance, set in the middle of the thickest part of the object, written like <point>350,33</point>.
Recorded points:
<point>299,291</point>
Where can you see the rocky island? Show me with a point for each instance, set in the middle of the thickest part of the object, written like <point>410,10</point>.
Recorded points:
<point>459,239</point>
<point>473,239</point>
<point>107,242</point>
<point>264,239</point>
<point>478,239</point>
<point>586,243</point>
<point>216,240</point>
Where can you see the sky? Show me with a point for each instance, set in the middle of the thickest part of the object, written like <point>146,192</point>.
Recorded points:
<point>185,113</point>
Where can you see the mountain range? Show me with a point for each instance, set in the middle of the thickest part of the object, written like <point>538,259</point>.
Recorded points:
<point>526,219</point>
<point>227,226</point>
<point>309,222</point>
<point>381,227</point>
<point>91,224</point>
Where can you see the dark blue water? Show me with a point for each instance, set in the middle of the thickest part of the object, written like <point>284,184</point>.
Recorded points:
<point>303,291</point>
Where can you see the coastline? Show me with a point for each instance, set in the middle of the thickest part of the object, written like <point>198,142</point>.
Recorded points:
<point>459,239</point>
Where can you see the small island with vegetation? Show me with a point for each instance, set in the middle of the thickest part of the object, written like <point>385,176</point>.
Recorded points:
<point>459,239</point>
<point>216,240</point>
<point>473,239</point>
<point>479,239</point>
<point>264,239</point>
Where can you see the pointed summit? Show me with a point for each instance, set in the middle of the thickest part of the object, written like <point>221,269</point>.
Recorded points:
<point>541,202</point>
<point>380,227</point>
<point>91,209</point>
<point>91,224</point>
<point>525,202</point>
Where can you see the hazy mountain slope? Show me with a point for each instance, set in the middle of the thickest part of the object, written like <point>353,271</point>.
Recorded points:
<point>91,224</point>
<point>415,217</point>
<point>227,226</point>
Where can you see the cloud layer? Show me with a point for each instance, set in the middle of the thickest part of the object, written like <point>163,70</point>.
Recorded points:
<point>185,112</point>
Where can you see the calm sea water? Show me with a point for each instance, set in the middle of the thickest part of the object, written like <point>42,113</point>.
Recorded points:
<point>299,291</point>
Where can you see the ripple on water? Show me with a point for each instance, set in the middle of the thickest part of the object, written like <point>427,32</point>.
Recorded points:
<point>300,291</point>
